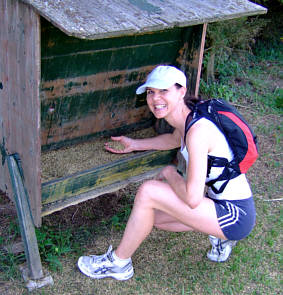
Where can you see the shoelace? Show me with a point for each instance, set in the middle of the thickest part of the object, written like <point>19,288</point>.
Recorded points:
<point>219,247</point>
<point>103,258</point>
<point>95,259</point>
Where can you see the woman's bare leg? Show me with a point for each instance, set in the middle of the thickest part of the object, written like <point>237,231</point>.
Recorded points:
<point>156,195</point>
<point>166,222</point>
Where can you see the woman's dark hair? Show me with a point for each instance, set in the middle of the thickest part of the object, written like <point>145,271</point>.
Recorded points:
<point>189,99</point>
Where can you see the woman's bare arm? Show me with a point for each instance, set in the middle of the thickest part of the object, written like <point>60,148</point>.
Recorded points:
<point>191,190</point>
<point>166,141</point>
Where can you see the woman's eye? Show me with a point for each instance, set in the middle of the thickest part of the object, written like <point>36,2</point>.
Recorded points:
<point>164,90</point>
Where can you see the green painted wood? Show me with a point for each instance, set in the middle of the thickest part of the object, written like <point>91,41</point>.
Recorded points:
<point>54,42</point>
<point>123,130</point>
<point>62,189</point>
<point>109,59</point>
<point>70,108</point>
<point>25,219</point>
<point>96,192</point>
<point>107,113</point>
<point>83,79</point>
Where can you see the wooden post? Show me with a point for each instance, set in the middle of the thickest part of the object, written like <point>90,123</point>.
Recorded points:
<point>191,55</point>
<point>25,219</point>
<point>200,58</point>
<point>19,96</point>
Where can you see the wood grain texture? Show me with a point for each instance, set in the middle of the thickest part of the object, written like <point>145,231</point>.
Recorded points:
<point>19,103</point>
<point>105,175</point>
<point>95,19</point>
<point>25,220</point>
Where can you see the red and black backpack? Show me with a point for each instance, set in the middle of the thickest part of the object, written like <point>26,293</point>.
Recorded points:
<point>238,134</point>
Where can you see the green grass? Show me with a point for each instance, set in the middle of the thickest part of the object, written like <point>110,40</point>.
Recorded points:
<point>250,79</point>
<point>175,263</point>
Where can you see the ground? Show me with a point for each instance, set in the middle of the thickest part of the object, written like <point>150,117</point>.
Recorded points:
<point>170,263</point>
<point>173,263</point>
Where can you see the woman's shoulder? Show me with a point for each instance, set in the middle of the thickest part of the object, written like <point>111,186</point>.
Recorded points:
<point>199,132</point>
<point>205,132</point>
<point>206,125</point>
<point>202,124</point>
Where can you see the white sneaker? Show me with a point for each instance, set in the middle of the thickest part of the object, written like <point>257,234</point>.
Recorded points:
<point>221,249</point>
<point>105,266</point>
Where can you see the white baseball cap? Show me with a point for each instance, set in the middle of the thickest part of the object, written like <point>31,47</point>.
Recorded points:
<point>163,77</point>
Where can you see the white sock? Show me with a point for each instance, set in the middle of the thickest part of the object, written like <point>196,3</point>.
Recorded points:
<point>119,261</point>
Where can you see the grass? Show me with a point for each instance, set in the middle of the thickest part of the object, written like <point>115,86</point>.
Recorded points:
<point>175,263</point>
<point>250,79</point>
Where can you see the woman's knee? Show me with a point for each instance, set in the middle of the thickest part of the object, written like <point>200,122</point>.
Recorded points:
<point>146,191</point>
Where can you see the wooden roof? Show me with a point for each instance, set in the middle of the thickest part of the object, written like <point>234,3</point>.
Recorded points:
<point>96,19</point>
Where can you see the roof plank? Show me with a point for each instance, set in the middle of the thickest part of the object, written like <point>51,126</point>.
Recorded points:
<point>97,19</point>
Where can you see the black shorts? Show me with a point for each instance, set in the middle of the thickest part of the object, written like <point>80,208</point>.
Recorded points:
<point>236,218</point>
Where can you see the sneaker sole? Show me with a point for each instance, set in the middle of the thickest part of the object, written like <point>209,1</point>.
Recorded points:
<point>216,260</point>
<point>116,276</point>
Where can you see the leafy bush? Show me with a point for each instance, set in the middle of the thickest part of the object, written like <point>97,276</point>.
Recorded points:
<point>224,38</point>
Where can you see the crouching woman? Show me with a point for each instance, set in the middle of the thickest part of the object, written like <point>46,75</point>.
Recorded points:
<point>171,202</point>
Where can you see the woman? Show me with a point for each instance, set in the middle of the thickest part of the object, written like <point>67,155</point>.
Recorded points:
<point>171,202</point>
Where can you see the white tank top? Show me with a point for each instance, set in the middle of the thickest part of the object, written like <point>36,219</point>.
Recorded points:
<point>237,188</point>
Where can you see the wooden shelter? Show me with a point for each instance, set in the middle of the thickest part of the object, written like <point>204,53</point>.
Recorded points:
<point>68,74</point>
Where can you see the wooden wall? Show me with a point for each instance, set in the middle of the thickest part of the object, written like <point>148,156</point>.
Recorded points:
<point>19,96</point>
<point>88,86</point>
<point>57,90</point>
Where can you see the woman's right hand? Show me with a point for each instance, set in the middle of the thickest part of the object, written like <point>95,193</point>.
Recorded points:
<point>124,141</point>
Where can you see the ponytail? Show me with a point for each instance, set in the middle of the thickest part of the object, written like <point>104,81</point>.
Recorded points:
<point>189,100</point>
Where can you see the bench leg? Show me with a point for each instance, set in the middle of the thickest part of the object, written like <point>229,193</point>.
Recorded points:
<point>34,266</point>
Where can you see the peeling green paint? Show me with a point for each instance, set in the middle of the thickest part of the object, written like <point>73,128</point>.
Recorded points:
<point>64,188</point>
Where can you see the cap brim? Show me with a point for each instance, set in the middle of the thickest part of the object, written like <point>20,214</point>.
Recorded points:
<point>154,84</point>
<point>141,89</point>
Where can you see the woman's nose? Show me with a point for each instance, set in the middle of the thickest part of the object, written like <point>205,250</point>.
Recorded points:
<point>156,95</point>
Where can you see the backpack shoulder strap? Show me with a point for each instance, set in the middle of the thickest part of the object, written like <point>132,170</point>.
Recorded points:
<point>191,119</point>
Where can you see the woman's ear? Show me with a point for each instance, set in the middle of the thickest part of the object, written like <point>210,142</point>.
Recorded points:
<point>183,91</point>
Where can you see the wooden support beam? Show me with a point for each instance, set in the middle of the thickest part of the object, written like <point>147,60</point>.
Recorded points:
<point>97,178</point>
<point>25,219</point>
<point>191,55</point>
<point>200,58</point>
<point>96,192</point>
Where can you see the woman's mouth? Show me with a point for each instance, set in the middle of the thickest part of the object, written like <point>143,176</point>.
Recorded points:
<point>160,106</point>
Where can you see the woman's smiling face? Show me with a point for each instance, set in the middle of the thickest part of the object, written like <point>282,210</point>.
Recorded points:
<point>162,102</point>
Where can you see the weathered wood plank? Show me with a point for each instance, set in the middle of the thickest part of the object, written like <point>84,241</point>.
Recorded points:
<point>76,184</point>
<point>55,42</point>
<point>25,220</point>
<point>110,18</point>
<point>191,55</point>
<point>92,93</point>
<point>108,60</point>
<point>104,81</point>
<point>101,125</point>
<point>94,193</point>
<point>19,103</point>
